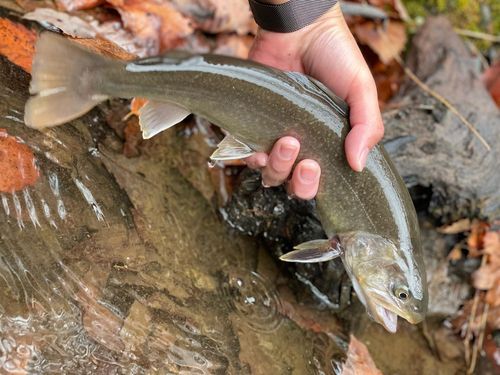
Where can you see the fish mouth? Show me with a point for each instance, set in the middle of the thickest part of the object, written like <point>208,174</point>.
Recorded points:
<point>386,317</point>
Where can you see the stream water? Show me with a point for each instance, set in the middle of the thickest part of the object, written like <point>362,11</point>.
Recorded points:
<point>116,265</point>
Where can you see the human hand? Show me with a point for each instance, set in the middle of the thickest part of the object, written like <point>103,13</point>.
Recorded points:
<point>327,51</point>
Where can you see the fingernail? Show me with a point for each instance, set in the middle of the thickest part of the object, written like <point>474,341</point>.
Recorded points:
<point>286,152</point>
<point>308,174</point>
<point>362,158</point>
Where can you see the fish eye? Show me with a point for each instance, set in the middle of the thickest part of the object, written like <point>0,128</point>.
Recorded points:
<point>402,293</point>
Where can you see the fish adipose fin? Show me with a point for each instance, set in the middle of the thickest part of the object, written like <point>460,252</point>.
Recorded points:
<point>62,81</point>
<point>314,251</point>
<point>230,148</point>
<point>157,116</point>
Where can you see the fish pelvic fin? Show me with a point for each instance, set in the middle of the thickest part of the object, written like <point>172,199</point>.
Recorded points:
<point>314,251</point>
<point>62,81</point>
<point>157,116</point>
<point>230,149</point>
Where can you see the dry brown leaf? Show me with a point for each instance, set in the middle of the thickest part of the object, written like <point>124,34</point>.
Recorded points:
<point>17,43</point>
<point>367,34</point>
<point>17,164</point>
<point>158,25</point>
<point>359,360</point>
<point>456,227</point>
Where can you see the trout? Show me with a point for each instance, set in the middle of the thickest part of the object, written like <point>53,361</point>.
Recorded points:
<point>368,216</point>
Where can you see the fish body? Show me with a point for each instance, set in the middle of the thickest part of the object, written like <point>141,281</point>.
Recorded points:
<point>368,215</point>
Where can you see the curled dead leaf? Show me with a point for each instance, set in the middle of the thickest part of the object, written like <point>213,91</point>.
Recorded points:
<point>17,164</point>
<point>17,43</point>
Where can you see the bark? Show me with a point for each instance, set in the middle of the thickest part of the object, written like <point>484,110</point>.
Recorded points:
<point>430,146</point>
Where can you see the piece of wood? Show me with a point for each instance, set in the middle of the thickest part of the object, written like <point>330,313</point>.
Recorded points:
<point>429,145</point>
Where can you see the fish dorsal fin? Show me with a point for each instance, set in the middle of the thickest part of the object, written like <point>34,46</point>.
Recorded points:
<point>315,251</point>
<point>230,148</point>
<point>157,116</point>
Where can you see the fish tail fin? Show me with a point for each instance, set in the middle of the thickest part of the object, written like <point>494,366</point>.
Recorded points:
<point>62,82</point>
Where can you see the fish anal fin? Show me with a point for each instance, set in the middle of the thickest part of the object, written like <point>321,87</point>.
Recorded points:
<point>314,251</point>
<point>230,148</point>
<point>157,116</point>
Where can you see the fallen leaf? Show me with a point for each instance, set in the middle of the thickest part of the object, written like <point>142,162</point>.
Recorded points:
<point>70,25</point>
<point>17,43</point>
<point>17,164</point>
<point>359,360</point>
<point>475,239</point>
<point>486,277</point>
<point>74,5</point>
<point>158,25</point>
<point>367,33</point>
<point>133,138</point>
<point>456,227</point>
<point>387,78</point>
<point>105,47</point>
<point>135,106</point>
<point>491,78</point>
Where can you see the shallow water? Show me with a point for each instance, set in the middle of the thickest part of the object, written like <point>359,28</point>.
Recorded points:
<point>113,265</point>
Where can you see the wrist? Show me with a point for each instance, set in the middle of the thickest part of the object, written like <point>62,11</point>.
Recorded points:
<point>288,16</point>
<point>327,21</point>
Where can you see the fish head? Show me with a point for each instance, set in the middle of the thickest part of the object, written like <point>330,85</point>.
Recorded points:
<point>390,282</point>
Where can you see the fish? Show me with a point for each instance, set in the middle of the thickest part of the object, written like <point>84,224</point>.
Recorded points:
<point>368,217</point>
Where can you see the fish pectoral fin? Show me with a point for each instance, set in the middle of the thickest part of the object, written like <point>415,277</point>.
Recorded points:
<point>314,251</point>
<point>230,148</point>
<point>157,116</point>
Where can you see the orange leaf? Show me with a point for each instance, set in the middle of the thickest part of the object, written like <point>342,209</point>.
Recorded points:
<point>359,360</point>
<point>17,164</point>
<point>17,43</point>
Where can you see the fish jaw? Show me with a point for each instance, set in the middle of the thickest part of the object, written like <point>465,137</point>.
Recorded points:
<point>386,318</point>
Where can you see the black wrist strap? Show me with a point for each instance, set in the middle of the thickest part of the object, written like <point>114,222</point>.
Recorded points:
<point>290,16</point>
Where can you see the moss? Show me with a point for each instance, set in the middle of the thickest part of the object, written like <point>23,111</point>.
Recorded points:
<point>463,14</point>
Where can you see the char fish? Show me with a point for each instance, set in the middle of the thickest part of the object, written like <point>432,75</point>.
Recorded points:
<point>368,216</point>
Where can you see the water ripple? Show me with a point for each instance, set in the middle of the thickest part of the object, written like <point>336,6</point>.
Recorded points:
<point>254,299</point>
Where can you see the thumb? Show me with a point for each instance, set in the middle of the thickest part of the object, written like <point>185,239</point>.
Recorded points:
<point>366,120</point>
